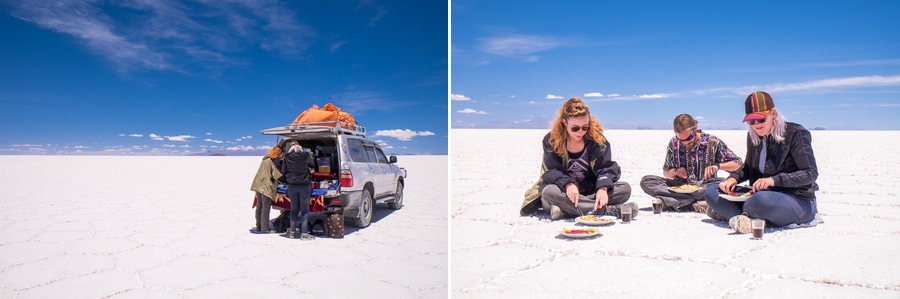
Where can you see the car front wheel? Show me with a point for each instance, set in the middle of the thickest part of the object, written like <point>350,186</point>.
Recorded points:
<point>398,198</point>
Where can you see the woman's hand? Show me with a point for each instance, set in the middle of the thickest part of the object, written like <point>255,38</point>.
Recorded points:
<point>762,184</point>
<point>572,193</point>
<point>728,185</point>
<point>602,199</point>
<point>681,172</point>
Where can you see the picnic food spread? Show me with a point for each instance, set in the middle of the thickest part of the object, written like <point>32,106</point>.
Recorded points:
<point>589,218</point>
<point>685,187</point>
<point>586,230</point>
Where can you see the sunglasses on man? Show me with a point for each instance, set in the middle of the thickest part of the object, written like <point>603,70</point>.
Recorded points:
<point>693,132</point>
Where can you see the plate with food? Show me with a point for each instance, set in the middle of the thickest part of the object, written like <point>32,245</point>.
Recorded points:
<point>734,196</point>
<point>594,220</point>
<point>685,188</point>
<point>579,232</point>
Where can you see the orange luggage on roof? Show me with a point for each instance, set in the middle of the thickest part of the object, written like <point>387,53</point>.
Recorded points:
<point>328,113</point>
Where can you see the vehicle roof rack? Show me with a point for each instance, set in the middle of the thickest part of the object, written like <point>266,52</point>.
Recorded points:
<point>333,126</point>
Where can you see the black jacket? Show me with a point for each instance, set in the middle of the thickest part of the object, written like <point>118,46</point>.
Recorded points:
<point>296,168</point>
<point>599,155</point>
<point>791,163</point>
<point>278,163</point>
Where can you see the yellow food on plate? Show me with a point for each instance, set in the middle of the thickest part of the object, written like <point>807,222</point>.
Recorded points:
<point>588,218</point>
<point>686,187</point>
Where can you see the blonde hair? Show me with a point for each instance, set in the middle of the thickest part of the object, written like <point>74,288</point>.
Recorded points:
<point>295,147</point>
<point>274,153</point>
<point>574,107</point>
<point>778,128</point>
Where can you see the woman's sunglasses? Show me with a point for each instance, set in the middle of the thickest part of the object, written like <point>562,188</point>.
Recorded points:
<point>755,121</point>
<point>577,128</point>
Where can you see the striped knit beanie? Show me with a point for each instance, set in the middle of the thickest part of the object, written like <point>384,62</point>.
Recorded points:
<point>758,105</point>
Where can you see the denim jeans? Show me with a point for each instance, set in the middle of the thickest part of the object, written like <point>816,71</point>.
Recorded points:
<point>778,209</point>
<point>299,195</point>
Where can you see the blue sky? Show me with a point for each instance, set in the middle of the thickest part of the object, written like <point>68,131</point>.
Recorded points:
<point>159,77</point>
<point>830,64</point>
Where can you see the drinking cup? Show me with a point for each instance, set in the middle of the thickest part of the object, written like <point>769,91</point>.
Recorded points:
<point>626,214</point>
<point>757,226</point>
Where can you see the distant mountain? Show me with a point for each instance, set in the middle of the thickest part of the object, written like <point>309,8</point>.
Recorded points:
<point>218,154</point>
<point>844,127</point>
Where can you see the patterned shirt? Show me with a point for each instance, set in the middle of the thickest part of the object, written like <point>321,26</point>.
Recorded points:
<point>707,151</point>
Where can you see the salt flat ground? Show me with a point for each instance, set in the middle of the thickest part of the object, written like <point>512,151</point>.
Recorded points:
<point>177,227</point>
<point>675,255</point>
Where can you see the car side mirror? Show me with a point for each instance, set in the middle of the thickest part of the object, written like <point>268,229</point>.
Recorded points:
<point>393,159</point>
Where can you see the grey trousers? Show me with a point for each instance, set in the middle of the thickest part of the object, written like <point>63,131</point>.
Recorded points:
<point>552,195</point>
<point>263,206</point>
<point>658,187</point>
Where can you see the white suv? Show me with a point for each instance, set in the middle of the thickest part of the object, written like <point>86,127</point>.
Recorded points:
<point>353,169</point>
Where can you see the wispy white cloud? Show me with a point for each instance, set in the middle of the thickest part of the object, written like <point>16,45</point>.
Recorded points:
<point>212,140</point>
<point>887,105</point>
<point>593,95</point>
<point>354,102</point>
<point>27,145</point>
<point>518,45</point>
<point>208,134</point>
<point>459,97</point>
<point>337,45</point>
<point>403,135</point>
<point>554,97</point>
<point>849,82</point>
<point>818,86</point>
<point>167,35</point>
<point>136,135</point>
<point>471,111</point>
<point>168,145</point>
<point>156,137</point>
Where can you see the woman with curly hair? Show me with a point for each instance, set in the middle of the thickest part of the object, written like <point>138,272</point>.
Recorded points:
<point>265,184</point>
<point>578,174</point>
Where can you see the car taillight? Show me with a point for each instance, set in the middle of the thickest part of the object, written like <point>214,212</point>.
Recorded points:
<point>346,178</point>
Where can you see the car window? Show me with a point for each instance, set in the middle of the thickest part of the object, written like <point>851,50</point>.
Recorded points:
<point>357,153</point>
<point>381,157</point>
<point>370,152</point>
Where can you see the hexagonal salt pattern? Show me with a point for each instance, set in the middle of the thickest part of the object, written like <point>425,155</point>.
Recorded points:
<point>177,227</point>
<point>498,254</point>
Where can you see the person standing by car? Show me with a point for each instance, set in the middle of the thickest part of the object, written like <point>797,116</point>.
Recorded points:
<point>578,174</point>
<point>781,168</point>
<point>296,172</point>
<point>692,157</point>
<point>265,184</point>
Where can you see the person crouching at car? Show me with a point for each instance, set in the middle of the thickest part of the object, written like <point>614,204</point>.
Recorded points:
<point>296,172</point>
<point>265,184</point>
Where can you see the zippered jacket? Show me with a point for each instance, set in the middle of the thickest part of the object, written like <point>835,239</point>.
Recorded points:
<point>790,163</point>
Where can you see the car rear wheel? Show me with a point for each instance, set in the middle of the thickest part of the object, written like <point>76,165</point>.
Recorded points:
<point>365,210</point>
<point>398,198</point>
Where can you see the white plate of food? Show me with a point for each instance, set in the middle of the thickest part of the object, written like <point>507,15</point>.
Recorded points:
<point>594,220</point>
<point>736,197</point>
<point>685,189</point>
<point>579,232</point>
